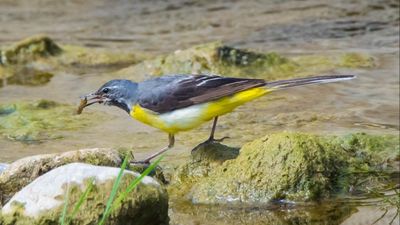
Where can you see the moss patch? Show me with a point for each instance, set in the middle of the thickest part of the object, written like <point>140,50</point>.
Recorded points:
<point>295,166</point>
<point>41,120</point>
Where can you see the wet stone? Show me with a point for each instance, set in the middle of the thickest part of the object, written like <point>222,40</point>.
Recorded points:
<point>41,202</point>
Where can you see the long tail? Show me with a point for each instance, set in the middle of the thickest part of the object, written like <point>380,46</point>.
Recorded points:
<point>307,80</point>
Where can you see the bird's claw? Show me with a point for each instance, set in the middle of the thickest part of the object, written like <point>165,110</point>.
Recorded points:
<point>213,140</point>
<point>140,163</point>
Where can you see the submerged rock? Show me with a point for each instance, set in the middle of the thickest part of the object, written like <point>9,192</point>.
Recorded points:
<point>21,172</point>
<point>41,120</point>
<point>216,58</point>
<point>295,166</point>
<point>42,201</point>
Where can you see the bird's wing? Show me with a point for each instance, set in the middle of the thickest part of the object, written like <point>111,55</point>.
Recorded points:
<point>167,93</point>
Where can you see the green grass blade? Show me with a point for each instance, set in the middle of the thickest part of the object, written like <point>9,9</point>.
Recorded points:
<point>82,198</point>
<point>114,190</point>
<point>64,211</point>
<point>136,181</point>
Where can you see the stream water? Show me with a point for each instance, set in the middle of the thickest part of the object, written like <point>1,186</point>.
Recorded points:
<point>369,103</point>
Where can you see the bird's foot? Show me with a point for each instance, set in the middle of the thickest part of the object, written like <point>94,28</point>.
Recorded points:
<point>213,140</point>
<point>145,162</point>
<point>140,163</point>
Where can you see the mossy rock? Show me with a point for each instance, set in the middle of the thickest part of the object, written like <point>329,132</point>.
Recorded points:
<point>216,58</point>
<point>211,58</point>
<point>34,60</point>
<point>29,49</point>
<point>205,158</point>
<point>41,120</point>
<point>42,47</point>
<point>295,166</point>
<point>42,201</point>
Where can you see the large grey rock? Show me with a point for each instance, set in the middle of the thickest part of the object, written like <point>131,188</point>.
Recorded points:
<point>23,171</point>
<point>41,202</point>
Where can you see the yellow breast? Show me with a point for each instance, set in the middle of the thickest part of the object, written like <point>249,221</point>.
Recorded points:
<point>193,116</point>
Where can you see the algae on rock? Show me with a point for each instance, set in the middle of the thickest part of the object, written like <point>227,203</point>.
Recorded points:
<point>294,166</point>
<point>216,58</point>
<point>205,158</point>
<point>212,58</point>
<point>42,47</point>
<point>28,60</point>
<point>29,49</point>
<point>16,62</point>
<point>41,120</point>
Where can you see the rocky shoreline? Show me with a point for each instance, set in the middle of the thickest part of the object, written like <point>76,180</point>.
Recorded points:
<point>281,167</point>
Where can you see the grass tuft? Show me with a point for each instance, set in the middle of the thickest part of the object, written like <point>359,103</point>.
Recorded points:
<point>64,212</point>
<point>114,190</point>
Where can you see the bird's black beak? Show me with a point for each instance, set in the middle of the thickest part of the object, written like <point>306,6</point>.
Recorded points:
<point>91,99</point>
<point>94,98</point>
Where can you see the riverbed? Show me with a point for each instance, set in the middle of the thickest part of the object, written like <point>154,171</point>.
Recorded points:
<point>369,103</point>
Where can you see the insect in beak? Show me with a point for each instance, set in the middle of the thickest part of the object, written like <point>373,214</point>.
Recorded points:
<point>90,99</point>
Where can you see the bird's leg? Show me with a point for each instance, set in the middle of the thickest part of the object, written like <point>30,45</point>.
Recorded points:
<point>171,139</point>
<point>214,126</point>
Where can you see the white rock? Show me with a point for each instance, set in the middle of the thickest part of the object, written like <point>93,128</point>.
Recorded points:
<point>42,194</point>
<point>23,171</point>
<point>3,166</point>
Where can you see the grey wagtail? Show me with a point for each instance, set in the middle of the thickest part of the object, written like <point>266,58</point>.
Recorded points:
<point>176,103</point>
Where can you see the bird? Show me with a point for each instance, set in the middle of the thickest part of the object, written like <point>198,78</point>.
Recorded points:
<point>181,102</point>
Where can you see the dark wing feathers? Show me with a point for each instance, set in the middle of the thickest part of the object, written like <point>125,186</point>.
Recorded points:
<point>168,93</point>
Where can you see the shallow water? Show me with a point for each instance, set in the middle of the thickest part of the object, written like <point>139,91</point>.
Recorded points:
<point>369,103</point>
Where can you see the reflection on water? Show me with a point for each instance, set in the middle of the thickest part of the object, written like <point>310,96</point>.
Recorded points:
<point>327,213</point>
<point>370,103</point>
<point>351,211</point>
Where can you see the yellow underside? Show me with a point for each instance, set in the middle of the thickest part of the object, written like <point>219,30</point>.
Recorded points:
<point>193,116</point>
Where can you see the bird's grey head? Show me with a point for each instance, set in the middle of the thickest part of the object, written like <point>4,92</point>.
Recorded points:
<point>120,93</point>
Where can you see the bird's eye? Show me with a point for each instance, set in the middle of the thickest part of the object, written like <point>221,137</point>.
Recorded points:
<point>106,90</point>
